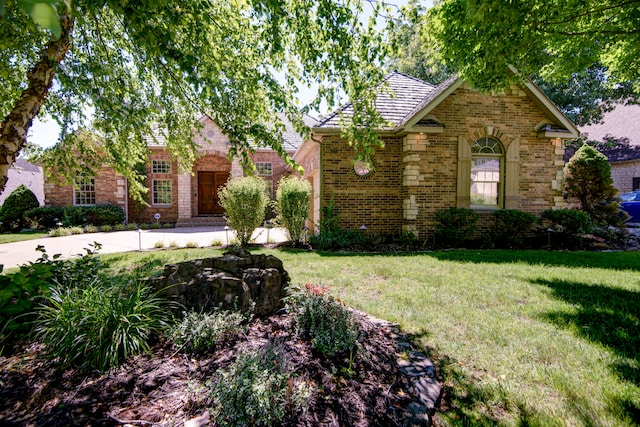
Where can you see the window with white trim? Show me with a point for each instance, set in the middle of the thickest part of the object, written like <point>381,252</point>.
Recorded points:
<point>160,166</point>
<point>264,168</point>
<point>162,189</point>
<point>487,161</point>
<point>84,191</point>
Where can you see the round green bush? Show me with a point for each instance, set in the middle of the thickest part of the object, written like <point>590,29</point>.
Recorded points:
<point>14,207</point>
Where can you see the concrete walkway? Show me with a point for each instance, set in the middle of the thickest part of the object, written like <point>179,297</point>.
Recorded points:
<point>18,253</point>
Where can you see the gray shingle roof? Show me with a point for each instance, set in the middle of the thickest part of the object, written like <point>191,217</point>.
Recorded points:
<point>400,97</point>
<point>292,139</point>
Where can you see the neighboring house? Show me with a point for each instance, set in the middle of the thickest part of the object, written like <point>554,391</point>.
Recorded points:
<point>23,172</point>
<point>187,198</point>
<point>622,124</point>
<point>445,146</point>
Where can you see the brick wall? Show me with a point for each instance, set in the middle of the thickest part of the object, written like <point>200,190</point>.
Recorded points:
<point>373,201</point>
<point>140,214</point>
<point>110,189</point>
<point>623,174</point>
<point>417,174</point>
<point>278,167</point>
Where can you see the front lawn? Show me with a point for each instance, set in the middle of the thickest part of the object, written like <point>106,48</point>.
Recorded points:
<point>19,237</point>
<point>522,337</point>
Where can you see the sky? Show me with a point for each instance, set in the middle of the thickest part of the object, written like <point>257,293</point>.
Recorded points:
<point>44,132</point>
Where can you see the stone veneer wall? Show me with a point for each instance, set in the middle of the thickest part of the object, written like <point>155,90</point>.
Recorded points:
<point>418,174</point>
<point>623,174</point>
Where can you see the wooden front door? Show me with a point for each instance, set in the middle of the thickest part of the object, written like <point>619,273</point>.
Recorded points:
<point>208,185</point>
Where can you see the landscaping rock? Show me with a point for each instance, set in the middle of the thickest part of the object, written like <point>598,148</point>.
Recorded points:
<point>235,280</point>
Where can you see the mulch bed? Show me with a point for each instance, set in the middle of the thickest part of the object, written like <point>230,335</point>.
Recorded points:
<point>168,388</point>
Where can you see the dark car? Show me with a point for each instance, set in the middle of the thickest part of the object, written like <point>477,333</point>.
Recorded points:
<point>631,205</point>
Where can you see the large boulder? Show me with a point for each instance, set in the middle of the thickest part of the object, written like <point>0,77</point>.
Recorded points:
<point>234,280</point>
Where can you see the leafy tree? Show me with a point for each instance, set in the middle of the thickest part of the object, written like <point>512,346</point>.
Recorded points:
<point>588,184</point>
<point>557,38</point>
<point>583,93</point>
<point>244,201</point>
<point>293,198</point>
<point>149,69</point>
<point>12,211</point>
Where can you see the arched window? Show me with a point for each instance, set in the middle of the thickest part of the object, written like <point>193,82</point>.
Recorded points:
<point>487,176</point>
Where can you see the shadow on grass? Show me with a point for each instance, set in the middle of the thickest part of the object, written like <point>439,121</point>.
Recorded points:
<point>605,260</point>
<point>466,402</point>
<point>606,316</point>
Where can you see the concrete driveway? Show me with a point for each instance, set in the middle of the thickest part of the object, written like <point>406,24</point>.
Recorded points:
<point>18,253</point>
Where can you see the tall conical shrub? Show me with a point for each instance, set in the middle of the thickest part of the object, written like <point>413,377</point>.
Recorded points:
<point>589,186</point>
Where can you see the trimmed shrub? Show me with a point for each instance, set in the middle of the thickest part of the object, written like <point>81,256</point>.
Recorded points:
<point>104,215</point>
<point>567,224</point>
<point>455,225</point>
<point>589,185</point>
<point>12,212</point>
<point>293,197</point>
<point>45,217</point>
<point>73,215</point>
<point>256,390</point>
<point>511,226</point>
<point>244,201</point>
<point>99,324</point>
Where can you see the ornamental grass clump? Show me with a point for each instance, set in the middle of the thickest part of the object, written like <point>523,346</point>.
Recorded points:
<point>100,324</point>
<point>325,321</point>
<point>293,197</point>
<point>198,332</point>
<point>244,201</point>
<point>257,390</point>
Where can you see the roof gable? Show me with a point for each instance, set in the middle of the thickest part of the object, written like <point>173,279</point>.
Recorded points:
<point>405,101</point>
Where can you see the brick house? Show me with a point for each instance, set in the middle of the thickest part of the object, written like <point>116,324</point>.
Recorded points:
<point>187,198</point>
<point>623,125</point>
<point>444,146</point>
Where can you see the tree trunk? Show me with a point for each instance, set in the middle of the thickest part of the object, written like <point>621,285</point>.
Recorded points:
<point>14,128</point>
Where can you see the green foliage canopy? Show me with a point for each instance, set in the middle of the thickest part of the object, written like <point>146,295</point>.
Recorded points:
<point>556,38</point>
<point>561,46</point>
<point>150,68</point>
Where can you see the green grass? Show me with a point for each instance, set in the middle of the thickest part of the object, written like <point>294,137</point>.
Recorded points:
<point>521,337</point>
<point>19,237</point>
